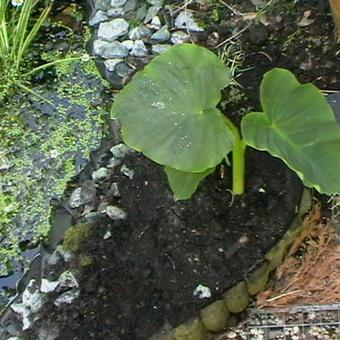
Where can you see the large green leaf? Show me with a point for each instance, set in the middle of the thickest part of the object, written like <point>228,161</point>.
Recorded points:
<point>184,184</point>
<point>299,127</point>
<point>168,110</point>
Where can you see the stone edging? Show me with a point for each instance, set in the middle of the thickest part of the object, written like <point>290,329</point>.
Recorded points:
<point>214,318</point>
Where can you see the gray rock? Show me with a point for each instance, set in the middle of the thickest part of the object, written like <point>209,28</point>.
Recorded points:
<point>126,171</point>
<point>48,333</point>
<point>67,280</point>
<point>102,207</point>
<point>115,213</point>
<point>152,12</point>
<point>140,32</point>
<point>128,44</point>
<point>110,64</point>
<point>124,70</point>
<point>161,35</point>
<point>159,3</point>
<point>93,216</point>
<point>75,199</point>
<point>103,5</point>
<point>186,20</point>
<point>66,298</point>
<point>48,286</point>
<point>155,23</point>
<point>100,174</point>
<point>114,162</point>
<point>109,50</point>
<point>107,235</point>
<point>120,150</point>
<point>139,49</point>
<point>141,12</point>
<point>99,17</point>
<point>113,29</point>
<point>179,37</point>
<point>160,48</point>
<point>88,192</point>
<point>115,190</point>
<point>118,3</point>
<point>130,6</point>
<point>115,12</point>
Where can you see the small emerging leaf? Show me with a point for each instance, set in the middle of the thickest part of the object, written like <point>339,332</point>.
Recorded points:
<point>168,110</point>
<point>299,127</point>
<point>184,184</point>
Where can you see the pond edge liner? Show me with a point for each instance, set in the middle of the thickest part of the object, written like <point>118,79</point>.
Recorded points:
<point>214,317</point>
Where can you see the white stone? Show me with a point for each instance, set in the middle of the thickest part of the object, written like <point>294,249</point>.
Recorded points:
<point>186,20</point>
<point>48,286</point>
<point>115,213</point>
<point>100,174</point>
<point>99,17</point>
<point>202,292</point>
<point>139,49</point>
<point>66,298</point>
<point>110,64</point>
<point>113,29</point>
<point>110,50</point>
<point>75,199</point>
<point>179,37</point>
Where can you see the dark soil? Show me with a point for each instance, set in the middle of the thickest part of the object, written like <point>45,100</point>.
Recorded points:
<point>146,273</point>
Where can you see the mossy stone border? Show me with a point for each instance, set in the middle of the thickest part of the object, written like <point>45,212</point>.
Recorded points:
<point>214,317</point>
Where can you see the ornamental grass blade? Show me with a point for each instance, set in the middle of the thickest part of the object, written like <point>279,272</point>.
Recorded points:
<point>298,126</point>
<point>184,184</point>
<point>168,110</point>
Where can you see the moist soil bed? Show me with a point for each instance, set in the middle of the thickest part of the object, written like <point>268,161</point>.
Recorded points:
<point>145,274</point>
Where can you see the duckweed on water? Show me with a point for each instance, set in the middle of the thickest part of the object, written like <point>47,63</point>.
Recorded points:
<point>42,148</point>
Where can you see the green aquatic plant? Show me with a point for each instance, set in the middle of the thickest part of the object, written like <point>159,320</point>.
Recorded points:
<point>169,113</point>
<point>20,23</point>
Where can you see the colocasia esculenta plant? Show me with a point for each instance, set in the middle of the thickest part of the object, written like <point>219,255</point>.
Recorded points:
<point>168,112</point>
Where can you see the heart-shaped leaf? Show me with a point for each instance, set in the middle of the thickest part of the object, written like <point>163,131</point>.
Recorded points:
<point>299,127</point>
<point>168,110</point>
<point>184,184</point>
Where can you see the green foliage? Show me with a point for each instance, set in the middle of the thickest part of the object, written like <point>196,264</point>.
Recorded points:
<point>179,112</point>
<point>168,112</point>
<point>17,31</point>
<point>298,126</point>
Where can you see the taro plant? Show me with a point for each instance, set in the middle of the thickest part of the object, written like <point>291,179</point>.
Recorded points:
<point>168,112</point>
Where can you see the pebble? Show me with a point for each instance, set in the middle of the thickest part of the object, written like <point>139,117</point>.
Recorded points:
<point>140,32</point>
<point>99,17</point>
<point>126,171</point>
<point>109,50</point>
<point>202,292</point>
<point>161,35</point>
<point>100,174</point>
<point>160,48</point>
<point>151,12</point>
<point>75,200</point>
<point>68,280</point>
<point>141,12</point>
<point>120,150</point>
<point>110,64</point>
<point>185,20</point>
<point>124,70</point>
<point>115,12</point>
<point>88,192</point>
<point>155,23</point>
<point>113,29</point>
<point>115,190</point>
<point>115,213</point>
<point>179,37</point>
<point>139,49</point>
<point>107,235</point>
<point>103,5</point>
<point>66,298</point>
<point>159,3</point>
<point>130,6</point>
<point>128,44</point>
<point>118,3</point>
<point>48,286</point>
